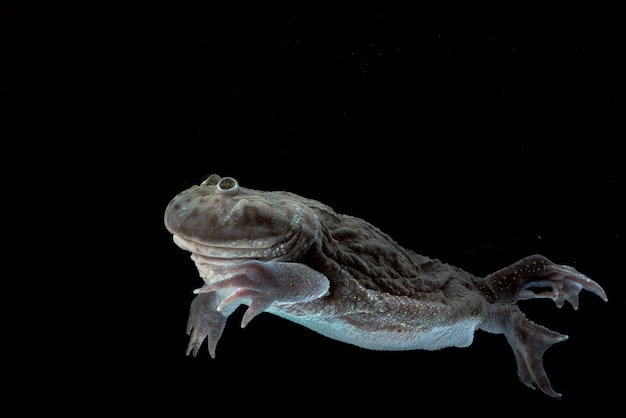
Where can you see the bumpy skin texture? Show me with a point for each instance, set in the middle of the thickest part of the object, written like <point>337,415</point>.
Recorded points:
<point>344,278</point>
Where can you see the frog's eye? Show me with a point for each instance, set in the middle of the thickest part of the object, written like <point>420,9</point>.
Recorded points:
<point>228,185</point>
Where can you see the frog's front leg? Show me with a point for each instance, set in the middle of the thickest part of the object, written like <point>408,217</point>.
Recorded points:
<point>263,283</point>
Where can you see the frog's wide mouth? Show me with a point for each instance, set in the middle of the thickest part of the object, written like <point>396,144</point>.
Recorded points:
<point>266,249</point>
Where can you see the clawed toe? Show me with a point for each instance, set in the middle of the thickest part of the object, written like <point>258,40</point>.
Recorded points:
<point>565,284</point>
<point>574,282</point>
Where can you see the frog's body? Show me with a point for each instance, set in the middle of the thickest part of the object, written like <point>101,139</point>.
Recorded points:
<point>344,278</point>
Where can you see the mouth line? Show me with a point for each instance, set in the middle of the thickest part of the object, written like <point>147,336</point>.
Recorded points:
<point>236,251</point>
<point>202,260</point>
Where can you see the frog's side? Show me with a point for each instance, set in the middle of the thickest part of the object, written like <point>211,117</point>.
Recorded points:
<point>344,278</point>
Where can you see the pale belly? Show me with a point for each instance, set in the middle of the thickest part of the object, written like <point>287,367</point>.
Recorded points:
<point>370,332</point>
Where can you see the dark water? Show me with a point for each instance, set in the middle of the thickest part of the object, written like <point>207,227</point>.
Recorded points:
<point>477,141</point>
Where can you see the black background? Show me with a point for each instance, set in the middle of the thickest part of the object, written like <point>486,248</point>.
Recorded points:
<point>476,137</point>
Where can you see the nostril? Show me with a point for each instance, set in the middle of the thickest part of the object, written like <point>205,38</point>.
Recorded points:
<point>228,185</point>
<point>211,180</point>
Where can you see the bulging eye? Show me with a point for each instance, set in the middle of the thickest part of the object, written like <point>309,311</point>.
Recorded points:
<point>228,185</point>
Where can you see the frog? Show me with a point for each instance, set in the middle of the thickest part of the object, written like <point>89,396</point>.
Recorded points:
<point>340,276</point>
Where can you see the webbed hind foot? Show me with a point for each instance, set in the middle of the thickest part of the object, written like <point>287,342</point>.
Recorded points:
<point>531,277</point>
<point>528,340</point>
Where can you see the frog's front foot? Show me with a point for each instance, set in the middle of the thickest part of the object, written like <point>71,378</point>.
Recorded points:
<point>262,283</point>
<point>537,277</point>
<point>205,322</point>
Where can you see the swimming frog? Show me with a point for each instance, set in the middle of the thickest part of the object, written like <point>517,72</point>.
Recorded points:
<point>277,252</point>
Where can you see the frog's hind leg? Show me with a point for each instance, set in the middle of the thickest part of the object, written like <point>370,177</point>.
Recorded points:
<point>528,340</point>
<point>537,277</point>
<point>531,277</point>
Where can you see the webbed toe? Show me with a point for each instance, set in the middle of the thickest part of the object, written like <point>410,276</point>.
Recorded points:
<point>529,342</point>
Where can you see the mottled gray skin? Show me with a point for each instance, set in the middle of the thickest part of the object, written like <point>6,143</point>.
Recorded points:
<point>344,278</point>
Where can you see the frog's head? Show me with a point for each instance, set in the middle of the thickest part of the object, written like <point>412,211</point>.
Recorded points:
<point>220,220</point>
